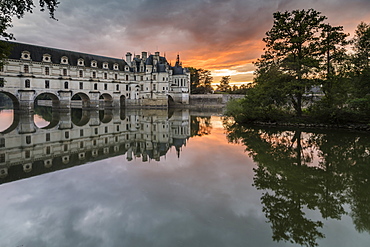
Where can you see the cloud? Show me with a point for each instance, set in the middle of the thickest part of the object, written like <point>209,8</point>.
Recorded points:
<point>211,34</point>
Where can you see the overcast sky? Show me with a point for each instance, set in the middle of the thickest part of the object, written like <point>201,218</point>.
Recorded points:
<point>220,35</point>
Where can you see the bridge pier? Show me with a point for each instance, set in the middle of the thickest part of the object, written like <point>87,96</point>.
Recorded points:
<point>65,120</point>
<point>65,99</point>
<point>26,124</point>
<point>26,100</point>
<point>94,118</point>
<point>94,99</point>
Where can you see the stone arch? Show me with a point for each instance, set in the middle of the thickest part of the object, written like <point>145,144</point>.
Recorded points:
<point>80,100</point>
<point>107,100</point>
<point>47,99</point>
<point>80,117</point>
<point>105,116</point>
<point>171,101</point>
<point>13,113</point>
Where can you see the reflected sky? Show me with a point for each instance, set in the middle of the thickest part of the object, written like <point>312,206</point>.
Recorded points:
<point>204,197</point>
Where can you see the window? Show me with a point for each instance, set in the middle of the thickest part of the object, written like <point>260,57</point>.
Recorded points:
<point>65,147</point>
<point>27,83</point>
<point>28,139</point>
<point>127,88</point>
<point>154,87</point>
<point>81,132</point>
<point>106,129</point>
<point>142,87</point>
<point>94,74</point>
<point>28,154</point>
<point>105,86</point>
<point>66,134</point>
<point>117,87</point>
<point>66,85</point>
<point>47,137</point>
<point>126,77</point>
<point>64,72</point>
<point>95,86</point>
<point>2,82</point>
<point>2,158</point>
<point>117,129</point>
<point>48,150</point>
<point>26,68</point>
<point>81,73</point>
<point>47,70</point>
<point>81,144</point>
<point>141,78</point>
<point>96,131</point>
<point>2,142</point>
<point>105,75</point>
<point>81,85</point>
<point>47,84</point>
<point>115,77</point>
<point>154,77</point>
<point>134,77</point>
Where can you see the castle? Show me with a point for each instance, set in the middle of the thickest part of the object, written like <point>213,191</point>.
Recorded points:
<point>74,79</point>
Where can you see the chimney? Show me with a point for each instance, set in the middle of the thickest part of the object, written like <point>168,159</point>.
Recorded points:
<point>128,58</point>
<point>144,55</point>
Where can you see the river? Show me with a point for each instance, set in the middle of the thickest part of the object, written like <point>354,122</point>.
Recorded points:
<point>178,178</point>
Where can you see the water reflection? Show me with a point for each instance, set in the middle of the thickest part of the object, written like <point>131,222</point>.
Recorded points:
<point>48,140</point>
<point>303,171</point>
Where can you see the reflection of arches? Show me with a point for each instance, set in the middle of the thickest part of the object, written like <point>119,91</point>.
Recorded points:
<point>44,99</point>
<point>122,101</point>
<point>15,122</point>
<point>122,114</point>
<point>13,99</point>
<point>80,100</point>
<point>171,102</point>
<point>108,100</point>
<point>105,116</point>
<point>80,117</point>
<point>47,114</point>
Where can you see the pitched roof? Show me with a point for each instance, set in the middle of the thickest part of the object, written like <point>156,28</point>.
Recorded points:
<point>37,53</point>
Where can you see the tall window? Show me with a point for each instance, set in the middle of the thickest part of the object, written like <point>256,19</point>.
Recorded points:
<point>64,72</point>
<point>47,84</point>
<point>115,77</point>
<point>47,138</point>
<point>81,85</point>
<point>66,85</point>
<point>94,74</point>
<point>2,82</point>
<point>105,75</point>
<point>2,142</point>
<point>95,86</point>
<point>81,73</point>
<point>26,68</point>
<point>126,77</point>
<point>117,87</point>
<point>105,86</point>
<point>27,83</point>
<point>47,71</point>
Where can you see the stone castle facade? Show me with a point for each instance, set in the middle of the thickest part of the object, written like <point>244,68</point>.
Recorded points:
<point>68,77</point>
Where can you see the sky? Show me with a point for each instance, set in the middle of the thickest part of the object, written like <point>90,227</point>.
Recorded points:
<point>224,36</point>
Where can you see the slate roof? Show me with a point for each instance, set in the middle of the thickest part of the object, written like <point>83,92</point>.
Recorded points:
<point>37,53</point>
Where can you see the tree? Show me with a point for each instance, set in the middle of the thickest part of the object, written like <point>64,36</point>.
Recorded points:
<point>224,84</point>
<point>200,80</point>
<point>361,71</point>
<point>17,8</point>
<point>292,45</point>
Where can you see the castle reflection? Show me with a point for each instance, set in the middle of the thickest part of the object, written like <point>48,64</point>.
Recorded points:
<point>75,137</point>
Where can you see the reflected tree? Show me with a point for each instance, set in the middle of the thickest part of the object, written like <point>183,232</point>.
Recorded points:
<point>200,126</point>
<point>298,171</point>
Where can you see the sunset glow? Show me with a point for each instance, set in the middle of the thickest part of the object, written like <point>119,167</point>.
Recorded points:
<point>223,37</point>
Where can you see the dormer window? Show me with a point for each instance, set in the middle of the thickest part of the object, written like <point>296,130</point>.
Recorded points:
<point>94,64</point>
<point>115,66</point>
<point>105,65</point>
<point>26,55</point>
<point>46,58</point>
<point>80,62</point>
<point>64,60</point>
<point>126,68</point>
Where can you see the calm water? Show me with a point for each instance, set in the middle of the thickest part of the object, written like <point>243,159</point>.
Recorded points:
<point>158,178</point>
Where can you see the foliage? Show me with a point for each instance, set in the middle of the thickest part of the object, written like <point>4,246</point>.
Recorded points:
<point>300,171</point>
<point>200,80</point>
<point>306,68</point>
<point>224,84</point>
<point>17,8</point>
